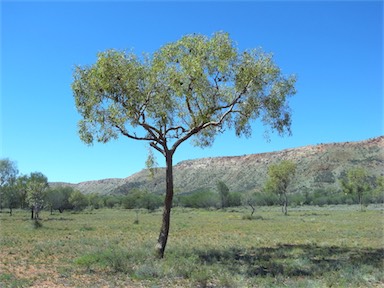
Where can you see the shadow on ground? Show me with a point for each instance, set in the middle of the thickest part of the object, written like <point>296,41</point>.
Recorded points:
<point>293,260</point>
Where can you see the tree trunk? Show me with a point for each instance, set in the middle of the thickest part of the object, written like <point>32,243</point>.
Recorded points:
<point>163,237</point>
<point>253,209</point>
<point>360,197</point>
<point>285,205</point>
<point>31,213</point>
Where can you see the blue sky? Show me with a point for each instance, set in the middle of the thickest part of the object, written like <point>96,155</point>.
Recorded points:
<point>334,48</point>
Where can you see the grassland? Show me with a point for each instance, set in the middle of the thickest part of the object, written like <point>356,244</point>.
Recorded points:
<point>312,247</point>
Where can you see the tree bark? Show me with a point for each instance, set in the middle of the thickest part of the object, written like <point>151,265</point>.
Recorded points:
<point>163,237</point>
<point>253,209</point>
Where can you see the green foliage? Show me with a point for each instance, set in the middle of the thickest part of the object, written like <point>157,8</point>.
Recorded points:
<point>188,87</point>
<point>234,199</point>
<point>356,182</point>
<point>200,199</point>
<point>8,172</point>
<point>142,199</point>
<point>280,176</point>
<point>151,162</point>
<point>112,201</point>
<point>224,193</point>
<point>78,200</point>
<point>9,196</point>
<point>96,201</point>
<point>37,186</point>
<point>58,198</point>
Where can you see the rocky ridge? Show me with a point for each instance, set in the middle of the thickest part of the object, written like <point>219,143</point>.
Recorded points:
<point>318,167</point>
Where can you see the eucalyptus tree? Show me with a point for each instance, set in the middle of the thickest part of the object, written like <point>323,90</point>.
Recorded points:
<point>193,88</point>
<point>356,182</point>
<point>223,190</point>
<point>249,199</point>
<point>8,176</point>
<point>37,186</point>
<point>280,175</point>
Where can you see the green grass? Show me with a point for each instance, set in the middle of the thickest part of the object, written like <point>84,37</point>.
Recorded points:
<point>336,246</point>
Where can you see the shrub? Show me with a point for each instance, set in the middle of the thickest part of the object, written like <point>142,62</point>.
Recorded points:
<point>37,224</point>
<point>254,217</point>
<point>200,199</point>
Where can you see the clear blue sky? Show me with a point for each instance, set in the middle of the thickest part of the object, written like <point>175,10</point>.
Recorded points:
<point>335,49</point>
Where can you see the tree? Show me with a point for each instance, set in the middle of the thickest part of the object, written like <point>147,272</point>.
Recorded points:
<point>11,197</point>
<point>58,198</point>
<point>78,200</point>
<point>8,175</point>
<point>192,88</point>
<point>21,187</point>
<point>223,192</point>
<point>249,199</point>
<point>356,182</point>
<point>37,186</point>
<point>280,176</point>
<point>379,189</point>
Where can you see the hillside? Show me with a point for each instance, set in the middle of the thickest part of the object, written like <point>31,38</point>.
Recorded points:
<point>319,166</point>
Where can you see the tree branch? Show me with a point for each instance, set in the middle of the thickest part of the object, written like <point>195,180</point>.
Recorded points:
<point>202,126</point>
<point>134,136</point>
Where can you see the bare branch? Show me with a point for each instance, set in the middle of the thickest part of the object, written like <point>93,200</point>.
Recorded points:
<point>153,145</point>
<point>132,136</point>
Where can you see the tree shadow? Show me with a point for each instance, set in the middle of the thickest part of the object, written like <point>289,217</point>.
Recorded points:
<point>292,260</point>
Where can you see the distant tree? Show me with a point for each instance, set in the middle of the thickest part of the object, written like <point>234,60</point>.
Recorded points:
<point>58,198</point>
<point>224,193</point>
<point>78,200</point>
<point>95,200</point>
<point>194,87</point>
<point>234,199</point>
<point>150,201</point>
<point>11,197</point>
<point>132,199</point>
<point>37,186</point>
<point>280,176</point>
<point>201,199</point>
<point>250,199</point>
<point>356,182</point>
<point>379,189</point>
<point>21,187</point>
<point>8,172</point>
<point>8,175</point>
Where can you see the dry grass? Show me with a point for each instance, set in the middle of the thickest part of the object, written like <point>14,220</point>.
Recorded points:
<point>332,246</point>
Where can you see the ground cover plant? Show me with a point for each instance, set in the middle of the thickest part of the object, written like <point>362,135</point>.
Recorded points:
<point>332,246</point>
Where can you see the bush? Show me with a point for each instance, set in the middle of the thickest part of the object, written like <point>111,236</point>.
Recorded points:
<point>200,199</point>
<point>112,201</point>
<point>254,217</point>
<point>234,199</point>
<point>37,224</point>
<point>142,199</point>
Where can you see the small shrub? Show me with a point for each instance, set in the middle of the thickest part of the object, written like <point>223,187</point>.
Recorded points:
<point>147,271</point>
<point>87,227</point>
<point>254,217</point>
<point>37,224</point>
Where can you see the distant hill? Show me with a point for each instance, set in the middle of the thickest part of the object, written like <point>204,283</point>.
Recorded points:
<point>318,166</point>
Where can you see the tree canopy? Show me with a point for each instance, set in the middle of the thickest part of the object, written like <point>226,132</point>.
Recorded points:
<point>280,176</point>
<point>356,182</point>
<point>197,86</point>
